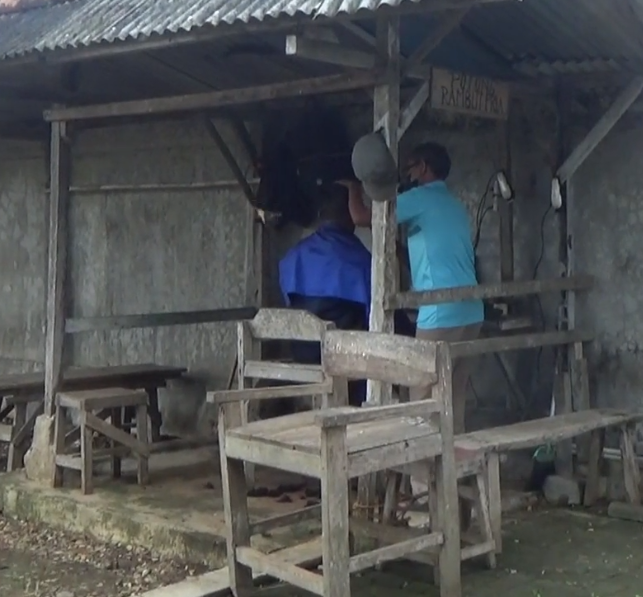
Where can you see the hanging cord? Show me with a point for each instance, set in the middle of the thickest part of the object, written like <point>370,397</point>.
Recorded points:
<point>481,211</point>
<point>541,311</point>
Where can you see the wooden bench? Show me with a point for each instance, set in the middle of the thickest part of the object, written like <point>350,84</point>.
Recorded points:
<point>552,430</point>
<point>94,408</point>
<point>340,443</point>
<point>19,390</point>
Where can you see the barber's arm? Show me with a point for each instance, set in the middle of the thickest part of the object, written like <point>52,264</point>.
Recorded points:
<point>360,212</point>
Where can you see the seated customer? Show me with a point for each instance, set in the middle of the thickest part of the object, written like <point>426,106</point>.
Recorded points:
<point>329,274</point>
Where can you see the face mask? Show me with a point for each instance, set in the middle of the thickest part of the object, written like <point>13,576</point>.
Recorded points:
<point>406,185</point>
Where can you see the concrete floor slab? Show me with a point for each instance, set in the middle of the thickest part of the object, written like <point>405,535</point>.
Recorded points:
<point>547,553</point>
<point>180,514</point>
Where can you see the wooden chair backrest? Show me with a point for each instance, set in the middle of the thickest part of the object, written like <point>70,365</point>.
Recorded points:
<point>388,358</point>
<point>278,324</point>
<point>287,324</point>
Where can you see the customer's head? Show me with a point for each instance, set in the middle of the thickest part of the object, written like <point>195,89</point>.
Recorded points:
<point>334,206</point>
<point>427,163</point>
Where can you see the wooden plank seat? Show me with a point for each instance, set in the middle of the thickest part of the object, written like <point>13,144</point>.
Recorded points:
<point>19,389</point>
<point>341,442</point>
<point>94,408</point>
<point>295,441</point>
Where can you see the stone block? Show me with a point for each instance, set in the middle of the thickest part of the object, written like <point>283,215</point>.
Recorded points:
<point>562,491</point>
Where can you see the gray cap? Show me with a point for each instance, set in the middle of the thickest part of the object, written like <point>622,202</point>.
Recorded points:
<point>375,167</point>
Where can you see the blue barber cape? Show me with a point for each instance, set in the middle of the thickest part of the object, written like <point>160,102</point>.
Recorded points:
<point>330,263</point>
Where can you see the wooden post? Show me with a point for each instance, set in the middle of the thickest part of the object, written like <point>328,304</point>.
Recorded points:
<point>60,163</point>
<point>446,477</point>
<point>385,282</point>
<point>386,109</point>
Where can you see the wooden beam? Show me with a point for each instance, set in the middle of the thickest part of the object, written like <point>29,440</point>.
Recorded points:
<point>217,99</point>
<point>60,174</point>
<point>414,300</point>
<point>228,156</point>
<point>518,342</point>
<point>412,109</point>
<point>340,55</point>
<point>172,187</point>
<point>600,129</point>
<point>154,320</point>
<point>332,53</point>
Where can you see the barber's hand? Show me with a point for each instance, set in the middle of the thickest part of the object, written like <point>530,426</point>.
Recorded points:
<point>351,185</point>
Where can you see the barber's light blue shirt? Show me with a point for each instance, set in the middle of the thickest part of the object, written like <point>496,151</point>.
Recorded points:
<point>440,252</point>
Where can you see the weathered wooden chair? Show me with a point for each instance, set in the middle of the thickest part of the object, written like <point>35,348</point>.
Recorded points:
<point>94,407</point>
<point>296,380</point>
<point>340,443</point>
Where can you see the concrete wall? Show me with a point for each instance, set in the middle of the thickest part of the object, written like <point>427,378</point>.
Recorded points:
<point>148,252</point>
<point>609,217</point>
<point>130,253</point>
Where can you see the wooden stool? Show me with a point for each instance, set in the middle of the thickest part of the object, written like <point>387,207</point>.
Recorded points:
<point>94,408</point>
<point>19,431</point>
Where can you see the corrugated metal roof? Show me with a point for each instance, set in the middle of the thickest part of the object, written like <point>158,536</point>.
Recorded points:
<point>547,36</point>
<point>84,22</point>
<point>563,35</point>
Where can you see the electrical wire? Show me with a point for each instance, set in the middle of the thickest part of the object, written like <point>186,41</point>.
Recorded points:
<point>482,211</point>
<point>541,311</point>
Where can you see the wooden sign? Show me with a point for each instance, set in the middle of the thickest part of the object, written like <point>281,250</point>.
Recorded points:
<point>476,96</point>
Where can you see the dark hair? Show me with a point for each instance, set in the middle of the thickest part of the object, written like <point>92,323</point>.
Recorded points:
<point>435,156</point>
<point>334,203</point>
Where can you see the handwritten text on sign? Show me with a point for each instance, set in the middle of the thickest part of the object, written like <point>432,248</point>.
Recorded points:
<point>471,95</point>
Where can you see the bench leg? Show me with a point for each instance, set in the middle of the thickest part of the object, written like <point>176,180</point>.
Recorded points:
<point>335,524</point>
<point>495,498</point>
<point>117,421</point>
<point>86,458</point>
<point>484,517</point>
<point>141,434</point>
<point>631,473</point>
<point>17,451</point>
<point>595,458</point>
<point>155,413</point>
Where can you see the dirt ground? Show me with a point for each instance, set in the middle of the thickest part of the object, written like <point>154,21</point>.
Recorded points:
<point>40,562</point>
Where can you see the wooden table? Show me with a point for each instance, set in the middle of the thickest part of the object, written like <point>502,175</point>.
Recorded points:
<point>16,390</point>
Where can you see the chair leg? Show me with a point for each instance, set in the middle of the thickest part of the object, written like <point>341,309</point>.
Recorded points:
<point>495,498</point>
<point>390,496</point>
<point>86,459</point>
<point>143,472</point>
<point>335,523</point>
<point>450,554</point>
<point>484,518</point>
<point>631,473</point>
<point>235,506</point>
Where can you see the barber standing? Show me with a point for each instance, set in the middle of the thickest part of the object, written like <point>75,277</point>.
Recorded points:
<point>439,244</point>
